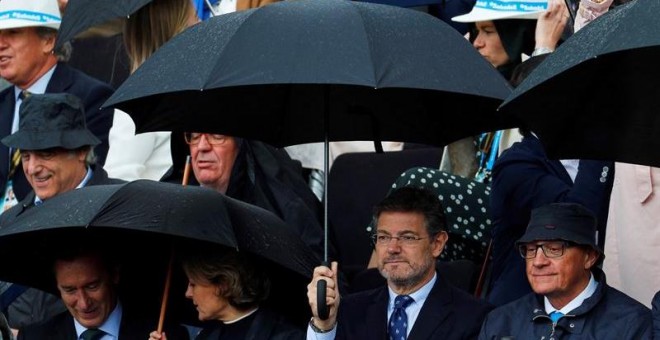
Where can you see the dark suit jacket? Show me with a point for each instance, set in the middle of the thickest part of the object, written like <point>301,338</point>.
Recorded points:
<point>447,314</point>
<point>133,326</point>
<point>523,179</point>
<point>92,92</point>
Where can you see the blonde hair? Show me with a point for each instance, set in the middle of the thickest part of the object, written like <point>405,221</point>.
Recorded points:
<point>152,26</point>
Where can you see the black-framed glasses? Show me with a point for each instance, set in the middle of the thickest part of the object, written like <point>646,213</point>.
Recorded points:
<point>406,240</point>
<point>193,138</point>
<point>550,249</point>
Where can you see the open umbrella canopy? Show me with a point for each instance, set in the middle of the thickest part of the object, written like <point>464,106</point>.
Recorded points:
<point>83,14</point>
<point>290,72</point>
<point>143,222</point>
<point>596,96</point>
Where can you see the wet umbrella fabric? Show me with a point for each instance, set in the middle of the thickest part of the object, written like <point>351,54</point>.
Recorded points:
<point>83,14</point>
<point>141,222</point>
<point>277,73</point>
<point>596,96</point>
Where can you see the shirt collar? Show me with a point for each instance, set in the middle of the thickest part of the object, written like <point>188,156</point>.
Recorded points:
<point>110,326</point>
<point>88,176</point>
<point>39,86</point>
<point>418,296</point>
<point>577,301</point>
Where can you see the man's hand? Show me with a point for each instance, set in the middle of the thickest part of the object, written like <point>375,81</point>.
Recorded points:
<point>331,295</point>
<point>550,25</point>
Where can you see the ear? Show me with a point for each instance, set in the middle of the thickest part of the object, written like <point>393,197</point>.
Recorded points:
<point>48,44</point>
<point>439,242</point>
<point>590,258</point>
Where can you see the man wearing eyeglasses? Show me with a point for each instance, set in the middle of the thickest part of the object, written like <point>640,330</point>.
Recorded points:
<point>571,299</point>
<point>417,302</point>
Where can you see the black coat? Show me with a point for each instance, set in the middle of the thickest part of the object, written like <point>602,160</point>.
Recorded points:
<point>448,313</point>
<point>264,325</point>
<point>93,94</point>
<point>607,314</point>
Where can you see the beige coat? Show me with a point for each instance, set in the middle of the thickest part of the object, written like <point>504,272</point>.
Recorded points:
<point>632,239</point>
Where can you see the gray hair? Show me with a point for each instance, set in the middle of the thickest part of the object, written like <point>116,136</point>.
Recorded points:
<point>63,53</point>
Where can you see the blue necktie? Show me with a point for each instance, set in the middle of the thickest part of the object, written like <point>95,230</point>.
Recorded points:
<point>556,315</point>
<point>399,319</point>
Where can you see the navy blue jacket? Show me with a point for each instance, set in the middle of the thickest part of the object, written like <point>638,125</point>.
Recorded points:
<point>607,314</point>
<point>523,179</point>
<point>93,94</point>
<point>448,313</point>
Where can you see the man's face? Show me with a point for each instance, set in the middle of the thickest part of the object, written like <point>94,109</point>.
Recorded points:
<point>53,171</point>
<point>24,55</point>
<point>489,44</point>
<point>87,289</point>
<point>560,278</point>
<point>407,265</point>
<point>213,158</point>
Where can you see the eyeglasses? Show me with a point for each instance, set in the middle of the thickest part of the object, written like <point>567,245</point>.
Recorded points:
<point>193,138</point>
<point>406,240</point>
<point>550,249</point>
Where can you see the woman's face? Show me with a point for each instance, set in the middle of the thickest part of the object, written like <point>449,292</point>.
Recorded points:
<point>207,299</point>
<point>489,45</point>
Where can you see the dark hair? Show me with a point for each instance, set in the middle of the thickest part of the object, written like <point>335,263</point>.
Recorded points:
<point>239,280</point>
<point>413,199</point>
<point>94,248</point>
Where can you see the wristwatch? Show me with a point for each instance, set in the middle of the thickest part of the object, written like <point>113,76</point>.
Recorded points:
<point>318,330</point>
<point>542,50</point>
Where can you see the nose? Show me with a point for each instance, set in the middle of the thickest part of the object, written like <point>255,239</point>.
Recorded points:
<point>84,302</point>
<point>203,143</point>
<point>189,291</point>
<point>31,165</point>
<point>393,247</point>
<point>539,258</point>
<point>478,42</point>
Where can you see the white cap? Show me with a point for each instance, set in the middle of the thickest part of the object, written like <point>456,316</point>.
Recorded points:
<point>487,10</point>
<point>29,13</point>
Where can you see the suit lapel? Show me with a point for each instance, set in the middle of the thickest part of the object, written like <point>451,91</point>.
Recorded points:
<point>7,103</point>
<point>554,165</point>
<point>61,80</point>
<point>437,308</point>
<point>376,314</point>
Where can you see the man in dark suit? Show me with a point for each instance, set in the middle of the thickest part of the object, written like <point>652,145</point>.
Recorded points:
<point>87,279</point>
<point>525,178</point>
<point>57,156</point>
<point>30,63</point>
<point>417,302</point>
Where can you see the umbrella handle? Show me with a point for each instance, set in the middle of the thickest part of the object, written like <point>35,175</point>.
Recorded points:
<point>321,306</point>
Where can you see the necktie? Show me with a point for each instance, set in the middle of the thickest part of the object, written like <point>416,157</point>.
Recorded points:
<point>92,334</point>
<point>399,319</point>
<point>556,315</point>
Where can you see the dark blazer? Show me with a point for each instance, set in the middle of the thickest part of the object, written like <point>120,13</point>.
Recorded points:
<point>132,326</point>
<point>448,313</point>
<point>92,92</point>
<point>523,179</point>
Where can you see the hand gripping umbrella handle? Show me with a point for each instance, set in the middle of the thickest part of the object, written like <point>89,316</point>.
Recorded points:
<point>321,306</point>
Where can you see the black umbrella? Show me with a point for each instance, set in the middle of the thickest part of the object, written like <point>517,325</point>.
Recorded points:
<point>143,222</point>
<point>596,96</point>
<point>318,70</point>
<point>275,73</point>
<point>83,14</point>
